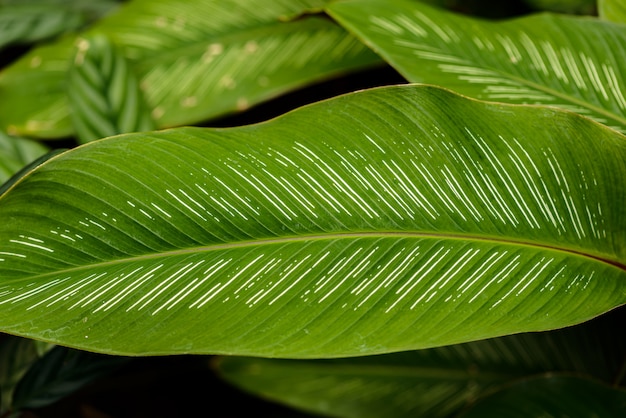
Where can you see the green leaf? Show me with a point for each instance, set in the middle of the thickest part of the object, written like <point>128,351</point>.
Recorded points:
<point>573,63</point>
<point>559,397</point>
<point>15,153</point>
<point>386,220</point>
<point>437,382</point>
<point>105,99</point>
<point>26,21</point>
<point>230,55</point>
<point>59,373</point>
<point>612,10</point>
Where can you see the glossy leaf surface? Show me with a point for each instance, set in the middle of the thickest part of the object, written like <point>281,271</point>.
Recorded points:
<point>559,397</point>
<point>104,94</point>
<point>437,382</point>
<point>195,60</point>
<point>386,220</point>
<point>613,10</point>
<point>573,63</point>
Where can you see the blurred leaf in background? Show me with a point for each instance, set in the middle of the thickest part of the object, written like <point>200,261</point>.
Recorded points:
<point>15,153</point>
<point>28,21</point>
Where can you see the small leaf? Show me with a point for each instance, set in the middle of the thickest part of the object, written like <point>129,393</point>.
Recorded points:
<point>437,382</point>
<point>104,93</point>
<point>559,397</point>
<point>612,10</point>
<point>15,153</point>
<point>385,220</point>
<point>60,373</point>
<point>573,63</point>
<point>195,60</point>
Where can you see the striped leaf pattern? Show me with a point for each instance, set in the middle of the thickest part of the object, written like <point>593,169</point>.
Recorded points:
<point>438,382</point>
<point>573,63</point>
<point>195,60</point>
<point>104,94</point>
<point>385,220</point>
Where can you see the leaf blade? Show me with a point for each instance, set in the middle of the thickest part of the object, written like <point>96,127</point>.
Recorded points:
<point>357,230</point>
<point>572,63</point>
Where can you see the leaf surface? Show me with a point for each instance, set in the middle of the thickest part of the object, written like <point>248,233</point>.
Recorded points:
<point>573,63</point>
<point>410,218</point>
<point>195,60</point>
<point>612,10</point>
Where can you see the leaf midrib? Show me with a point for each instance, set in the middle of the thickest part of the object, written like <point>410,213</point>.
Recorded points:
<point>336,236</point>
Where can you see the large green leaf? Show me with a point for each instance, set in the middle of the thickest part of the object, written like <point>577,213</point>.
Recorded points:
<point>385,220</point>
<point>558,397</point>
<point>15,153</point>
<point>195,60</point>
<point>436,382</point>
<point>574,63</point>
<point>613,10</point>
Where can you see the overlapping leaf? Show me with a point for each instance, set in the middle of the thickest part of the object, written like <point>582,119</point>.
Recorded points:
<point>381,221</point>
<point>195,60</point>
<point>438,382</point>
<point>574,63</point>
<point>613,10</point>
<point>105,99</point>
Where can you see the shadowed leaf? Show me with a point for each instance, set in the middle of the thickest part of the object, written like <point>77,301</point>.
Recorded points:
<point>559,397</point>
